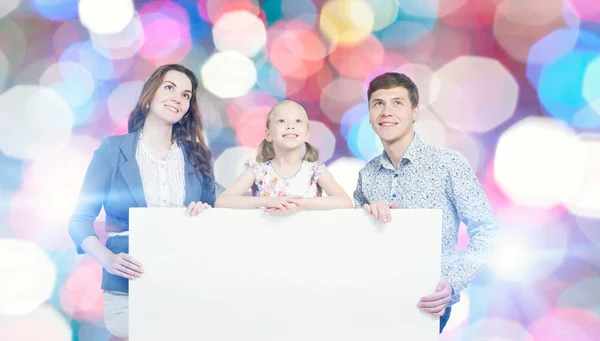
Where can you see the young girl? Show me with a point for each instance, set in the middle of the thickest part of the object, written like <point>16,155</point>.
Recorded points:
<point>281,179</point>
<point>162,162</point>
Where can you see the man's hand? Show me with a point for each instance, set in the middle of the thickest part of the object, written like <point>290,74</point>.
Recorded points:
<point>436,303</point>
<point>380,210</point>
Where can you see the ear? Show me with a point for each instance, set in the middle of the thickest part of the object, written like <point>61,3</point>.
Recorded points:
<point>416,112</point>
<point>268,136</point>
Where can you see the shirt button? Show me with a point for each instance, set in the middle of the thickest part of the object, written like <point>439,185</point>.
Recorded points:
<point>393,195</point>
<point>162,165</point>
<point>395,175</point>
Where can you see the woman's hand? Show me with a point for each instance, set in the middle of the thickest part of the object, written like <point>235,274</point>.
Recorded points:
<point>195,207</point>
<point>123,265</point>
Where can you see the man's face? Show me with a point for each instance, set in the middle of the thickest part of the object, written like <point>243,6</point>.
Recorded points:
<point>391,114</point>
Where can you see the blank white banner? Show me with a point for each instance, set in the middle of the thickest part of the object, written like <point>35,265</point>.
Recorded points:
<point>244,275</point>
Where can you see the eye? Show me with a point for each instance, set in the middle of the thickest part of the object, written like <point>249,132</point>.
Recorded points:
<point>398,103</point>
<point>376,104</point>
<point>280,120</point>
<point>298,121</point>
<point>187,96</point>
<point>169,87</point>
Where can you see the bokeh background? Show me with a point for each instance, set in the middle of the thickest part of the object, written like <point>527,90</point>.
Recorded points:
<point>512,85</point>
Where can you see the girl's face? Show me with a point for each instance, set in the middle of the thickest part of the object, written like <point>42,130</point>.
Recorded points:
<point>288,126</point>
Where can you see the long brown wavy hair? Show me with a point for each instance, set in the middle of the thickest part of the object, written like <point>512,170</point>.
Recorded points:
<point>188,131</point>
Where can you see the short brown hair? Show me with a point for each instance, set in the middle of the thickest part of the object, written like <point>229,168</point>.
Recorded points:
<point>390,80</point>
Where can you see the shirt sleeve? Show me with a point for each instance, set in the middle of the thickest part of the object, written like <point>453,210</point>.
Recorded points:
<point>474,210</point>
<point>359,197</point>
<point>92,196</point>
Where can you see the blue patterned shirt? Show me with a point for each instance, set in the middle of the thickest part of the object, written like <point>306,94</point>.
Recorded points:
<point>433,178</point>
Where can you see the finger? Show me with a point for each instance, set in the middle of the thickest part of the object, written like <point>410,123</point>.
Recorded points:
<point>367,208</point>
<point>433,304</point>
<point>197,208</point>
<point>206,206</point>
<point>130,266</point>
<point>440,313</point>
<point>288,206</point>
<point>436,296</point>
<point>435,310</point>
<point>129,258</point>
<point>123,274</point>
<point>384,211</point>
<point>374,211</point>
<point>282,208</point>
<point>128,271</point>
<point>190,207</point>
<point>394,205</point>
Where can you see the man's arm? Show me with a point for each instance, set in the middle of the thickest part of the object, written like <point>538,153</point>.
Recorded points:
<point>359,197</point>
<point>474,210</point>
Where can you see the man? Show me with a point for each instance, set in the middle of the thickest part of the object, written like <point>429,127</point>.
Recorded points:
<point>412,174</point>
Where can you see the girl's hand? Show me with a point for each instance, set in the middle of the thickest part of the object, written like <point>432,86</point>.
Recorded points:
<point>123,265</point>
<point>283,204</point>
<point>195,207</point>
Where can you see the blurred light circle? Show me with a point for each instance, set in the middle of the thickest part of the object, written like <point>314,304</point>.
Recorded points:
<point>345,172</point>
<point>4,67</point>
<point>211,115</point>
<point>363,142</point>
<point>586,201</point>
<point>81,295</point>
<point>42,126</point>
<point>584,295</point>
<point>549,49</point>
<point>7,6</point>
<point>295,50</point>
<point>421,9</point>
<point>591,84</point>
<point>231,164</point>
<point>518,27</point>
<point>237,109</point>
<point>472,13</point>
<point>39,212</point>
<point>533,180</point>
<point>213,10</point>
<point>270,80</point>
<point>590,229</point>
<point>166,29</point>
<point>403,33</point>
<point>353,117</point>
<point>56,10</point>
<point>339,96</point>
<point>240,31</point>
<point>67,33</point>
<point>296,8</point>
<point>359,60</point>
<point>385,13</point>
<point>475,94</point>
<point>14,42</point>
<point>531,12</point>
<point>468,147</point>
<point>586,10</point>
<point>250,130</point>
<point>93,332</point>
<point>569,103</point>
<point>83,53</point>
<point>44,323</point>
<point>496,329</point>
<point>430,129</point>
<point>73,82</point>
<point>309,89</point>
<point>228,74</point>
<point>566,324</point>
<point>447,7</point>
<point>322,139</point>
<point>528,254</point>
<point>29,277</point>
<point>123,99</point>
<point>123,44</point>
<point>426,81</point>
<point>105,16</point>
<point>346,22</point>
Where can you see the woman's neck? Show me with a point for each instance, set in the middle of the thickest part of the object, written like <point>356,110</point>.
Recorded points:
<point>159,134</point>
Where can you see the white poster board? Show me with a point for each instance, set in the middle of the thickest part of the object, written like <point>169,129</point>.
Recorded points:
<point>244,275</point>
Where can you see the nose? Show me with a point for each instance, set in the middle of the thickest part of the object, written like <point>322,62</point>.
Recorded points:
<point>176,99</point>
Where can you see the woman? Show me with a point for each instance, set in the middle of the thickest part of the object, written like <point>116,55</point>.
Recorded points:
<point>163,162</point>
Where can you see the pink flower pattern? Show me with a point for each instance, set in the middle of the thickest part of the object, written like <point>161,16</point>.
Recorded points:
<point>268,183</point>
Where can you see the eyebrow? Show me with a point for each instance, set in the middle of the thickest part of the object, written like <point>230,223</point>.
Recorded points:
<point>190,91</point>
<point>393,99</point>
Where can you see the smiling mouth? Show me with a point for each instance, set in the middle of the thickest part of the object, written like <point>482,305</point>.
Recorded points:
<point>173,109</point>
<point>290,136</point>
<point>388,124</point>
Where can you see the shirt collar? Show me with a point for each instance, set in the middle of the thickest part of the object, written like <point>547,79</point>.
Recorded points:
<point>411,155</point>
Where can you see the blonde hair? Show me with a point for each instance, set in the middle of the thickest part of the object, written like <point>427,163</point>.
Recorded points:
<point>266,152</point>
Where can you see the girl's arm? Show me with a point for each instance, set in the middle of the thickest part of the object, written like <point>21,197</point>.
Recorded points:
<point>233,197</point>
<point>336,196</point>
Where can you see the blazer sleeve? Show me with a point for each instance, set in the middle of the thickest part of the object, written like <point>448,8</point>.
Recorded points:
<point>92,196</point>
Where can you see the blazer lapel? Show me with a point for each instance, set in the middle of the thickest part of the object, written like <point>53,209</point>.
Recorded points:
<point>130,169</point>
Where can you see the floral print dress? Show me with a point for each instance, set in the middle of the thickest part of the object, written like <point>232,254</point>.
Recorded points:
<point>268,183</point>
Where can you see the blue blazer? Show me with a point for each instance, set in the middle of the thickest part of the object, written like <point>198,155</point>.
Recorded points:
<point>113,181</point>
